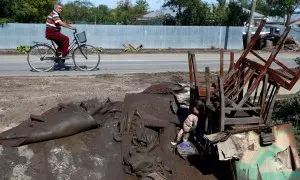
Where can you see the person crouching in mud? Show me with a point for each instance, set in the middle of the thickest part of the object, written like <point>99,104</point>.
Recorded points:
<point>189,125</point>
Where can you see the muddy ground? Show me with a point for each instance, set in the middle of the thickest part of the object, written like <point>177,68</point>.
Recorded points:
<point>22,96</point>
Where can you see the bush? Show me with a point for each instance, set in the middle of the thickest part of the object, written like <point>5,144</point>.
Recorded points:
<point>23,49</point>
<point>288,110</point>
<point>3,20</point>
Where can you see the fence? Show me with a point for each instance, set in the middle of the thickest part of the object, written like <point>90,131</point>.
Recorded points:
<point>13,35</point>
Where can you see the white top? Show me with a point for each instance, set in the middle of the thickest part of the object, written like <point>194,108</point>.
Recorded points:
<point>191,120</point>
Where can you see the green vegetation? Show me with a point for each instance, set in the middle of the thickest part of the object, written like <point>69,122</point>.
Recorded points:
<point>197,12</point>
<point>100,49</point>
<point>23,49</point>
<point>288,110</point>
<point>3,20</point>
<point>78,11</point>
<point>188,12</point>
<point>281,8</point>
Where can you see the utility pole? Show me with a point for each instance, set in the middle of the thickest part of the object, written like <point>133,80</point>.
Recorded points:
<point>251,20</point>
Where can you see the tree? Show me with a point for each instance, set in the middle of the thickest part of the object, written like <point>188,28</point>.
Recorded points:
<point>219,13</point>
<point>177,6</point>
<point>26,11</point>
<point>122,14</point>
<point>141,7</point>
<point>284,8</point>
<point>236,15</point>
<point>78,11</point>
<point>195,13</point>
<point>126,13</point>
<point>101,14</point>
<point>5,8</point>
<point>188,12</point>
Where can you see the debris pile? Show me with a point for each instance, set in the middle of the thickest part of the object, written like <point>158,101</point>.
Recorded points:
<point>291,44</point>
<point>146,125</point>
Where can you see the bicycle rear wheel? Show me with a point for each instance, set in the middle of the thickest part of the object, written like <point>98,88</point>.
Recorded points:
<point>41,57</point>
<point>86,57</point>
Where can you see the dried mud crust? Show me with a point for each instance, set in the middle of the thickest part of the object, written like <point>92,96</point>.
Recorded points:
<point>22,96</point>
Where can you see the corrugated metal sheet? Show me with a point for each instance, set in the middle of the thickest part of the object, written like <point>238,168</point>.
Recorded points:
<point>13,35</point>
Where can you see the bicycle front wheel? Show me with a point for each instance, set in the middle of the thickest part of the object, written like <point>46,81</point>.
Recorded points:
<point>86,57</point>
<point>41,57</point>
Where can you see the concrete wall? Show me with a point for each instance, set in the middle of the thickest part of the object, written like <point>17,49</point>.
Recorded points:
<point>13,35</point>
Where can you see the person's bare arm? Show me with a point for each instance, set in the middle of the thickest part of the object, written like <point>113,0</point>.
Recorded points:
<point>196,121</point>
<point>66,25</point>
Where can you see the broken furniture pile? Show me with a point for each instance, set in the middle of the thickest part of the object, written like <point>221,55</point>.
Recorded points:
<point>242,102</point>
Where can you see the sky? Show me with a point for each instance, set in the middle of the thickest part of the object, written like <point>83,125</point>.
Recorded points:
<point>153,4</point>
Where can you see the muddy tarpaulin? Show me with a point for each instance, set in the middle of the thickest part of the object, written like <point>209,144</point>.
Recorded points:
<point>145,130</point>
<point>61,121</point>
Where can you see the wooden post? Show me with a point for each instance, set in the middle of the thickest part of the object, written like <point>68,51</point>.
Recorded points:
<point>207,81</point>
<point>231,61</point>
<point>222,104</point>
<point>251,21</point>
<point>221,62</point>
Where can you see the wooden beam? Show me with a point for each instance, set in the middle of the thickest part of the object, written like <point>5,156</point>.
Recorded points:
<point>242,120</point>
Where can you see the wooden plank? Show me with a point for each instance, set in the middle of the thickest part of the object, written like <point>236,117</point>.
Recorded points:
<point>242,109</point>
<point>190,70</point>
<point>244,120</point>
<point>222,62</point>
<point>271,108</point>
<point>231,66</point>
<point>207,81</point>
<point>193,57</point>
<point>236,82</point>
<point>222,104</point>
<point>251,43</point>
<point>266,67</point>
<point>248,75</point>
<point>263,99</point>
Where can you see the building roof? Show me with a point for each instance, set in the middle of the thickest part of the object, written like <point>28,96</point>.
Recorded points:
<point>158,13</point>
<point>255,14</point>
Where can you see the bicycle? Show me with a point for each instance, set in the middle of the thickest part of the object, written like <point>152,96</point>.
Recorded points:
<point>42,57</point>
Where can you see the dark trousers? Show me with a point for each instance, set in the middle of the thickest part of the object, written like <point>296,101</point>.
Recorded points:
<point>61,40</point>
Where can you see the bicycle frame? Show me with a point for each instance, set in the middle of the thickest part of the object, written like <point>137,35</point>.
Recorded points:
<point>72,46</point>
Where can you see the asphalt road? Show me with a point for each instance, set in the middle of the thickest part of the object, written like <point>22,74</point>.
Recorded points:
<point>16,65</point>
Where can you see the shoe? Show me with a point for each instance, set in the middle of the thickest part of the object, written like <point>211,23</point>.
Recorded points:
<point>61,66</point>
<point>184,144</point>
<point>174,143</point>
